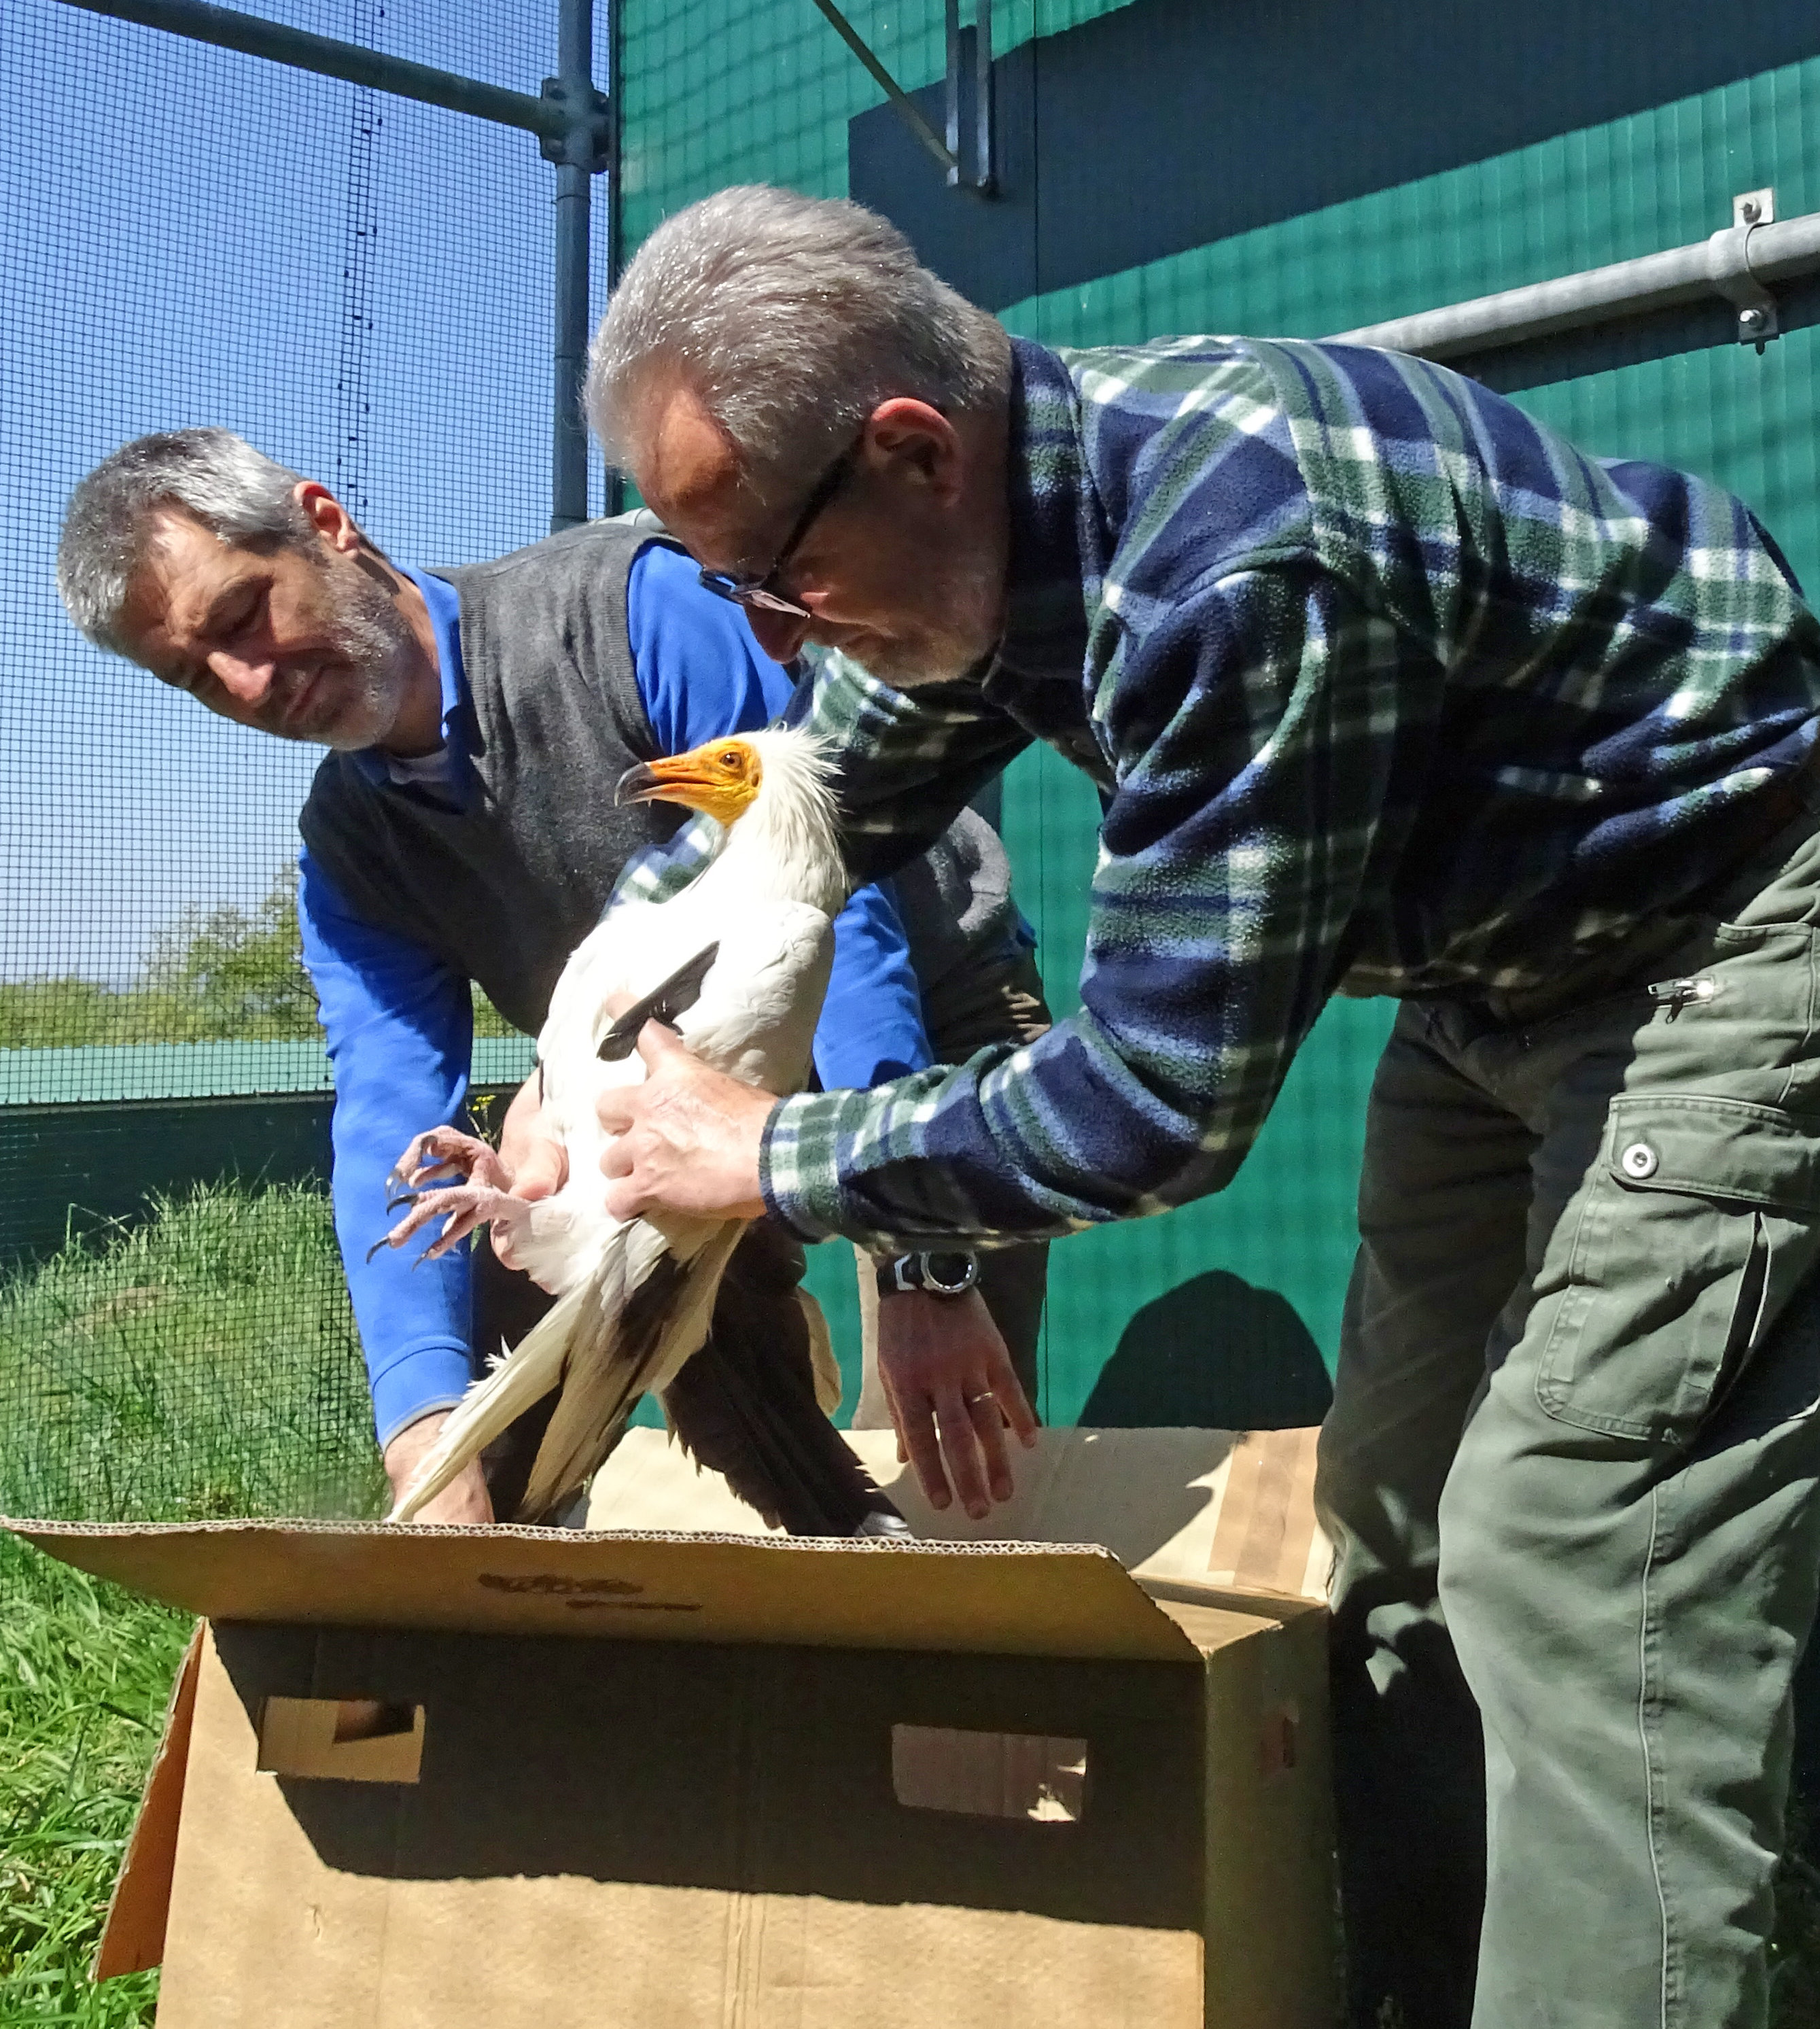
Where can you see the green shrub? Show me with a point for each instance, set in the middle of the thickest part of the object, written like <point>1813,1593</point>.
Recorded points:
<point>215,975</point>
<point>238,974</point>
<point>225,974</point>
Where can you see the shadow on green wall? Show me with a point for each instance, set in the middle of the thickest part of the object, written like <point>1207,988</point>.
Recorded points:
<point>1212,1353</point>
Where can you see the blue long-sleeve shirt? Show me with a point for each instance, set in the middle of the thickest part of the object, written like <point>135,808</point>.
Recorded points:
<point>399,1019</point>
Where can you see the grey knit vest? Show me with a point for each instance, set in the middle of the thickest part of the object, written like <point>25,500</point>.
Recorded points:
<point>506,888</point>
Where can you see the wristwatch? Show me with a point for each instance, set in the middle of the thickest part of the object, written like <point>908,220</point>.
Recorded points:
<point>952,1272</point>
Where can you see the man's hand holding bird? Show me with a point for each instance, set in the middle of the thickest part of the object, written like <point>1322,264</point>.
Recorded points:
<point>687,1140</point>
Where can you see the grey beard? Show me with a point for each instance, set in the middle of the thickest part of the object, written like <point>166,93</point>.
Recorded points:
<point>374,639</point>
<point>943,656</point>
<point>905,668</point>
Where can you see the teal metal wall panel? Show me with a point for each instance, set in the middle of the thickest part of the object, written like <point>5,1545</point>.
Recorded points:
<point>717,92</point>
<point>1658,178</point>
<point>1661,178</point>
<point>1219,124</point>
<point>714,92</point>
<point>1288,1224</point>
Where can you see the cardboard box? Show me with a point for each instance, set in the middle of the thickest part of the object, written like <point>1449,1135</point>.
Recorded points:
<point>532,1778</point>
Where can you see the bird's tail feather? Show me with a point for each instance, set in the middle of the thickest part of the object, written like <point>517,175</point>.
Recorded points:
<point>632,1255</point>
<point>747,1399</point>
<point>523,1378</point>
<point>620,1352</point>
<point>821,1359</point>
<point>747,1407</point>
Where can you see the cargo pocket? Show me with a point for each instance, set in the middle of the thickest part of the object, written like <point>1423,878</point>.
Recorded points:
<point>1698,1225</point>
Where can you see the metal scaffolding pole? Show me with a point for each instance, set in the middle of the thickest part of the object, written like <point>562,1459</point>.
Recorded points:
<point>907,107</point>
<point>575,167</point>
<point>1734,265</point>
<point>227,28</point>
<point>572,123</point>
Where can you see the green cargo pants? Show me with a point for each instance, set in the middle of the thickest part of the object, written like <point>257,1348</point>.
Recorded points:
<point>1570,1473</point>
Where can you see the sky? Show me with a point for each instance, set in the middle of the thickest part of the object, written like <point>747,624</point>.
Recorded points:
<point>187,237</point>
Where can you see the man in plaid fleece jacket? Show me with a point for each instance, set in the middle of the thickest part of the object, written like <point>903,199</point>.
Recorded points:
<point>1387,690</point>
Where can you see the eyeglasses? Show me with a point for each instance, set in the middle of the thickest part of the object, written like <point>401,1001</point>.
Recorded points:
<point>759,591</point>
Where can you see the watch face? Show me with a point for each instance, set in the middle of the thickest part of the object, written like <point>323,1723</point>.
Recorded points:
<point>952,1272</point>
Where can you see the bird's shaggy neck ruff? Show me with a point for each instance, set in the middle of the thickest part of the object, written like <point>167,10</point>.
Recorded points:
<point>786,845</point>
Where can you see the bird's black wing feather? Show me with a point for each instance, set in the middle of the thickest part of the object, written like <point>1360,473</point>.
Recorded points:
<point>666,1004</point>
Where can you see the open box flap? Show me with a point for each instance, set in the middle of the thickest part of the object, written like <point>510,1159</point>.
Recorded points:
<point>132,1939</point>
<point>1212,1514</point>
<point>1016,1599</point>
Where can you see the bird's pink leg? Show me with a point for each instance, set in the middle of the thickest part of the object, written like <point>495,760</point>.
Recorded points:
<point>462,1208</point>
<point>445,1153</point>
<point>417,1179</point>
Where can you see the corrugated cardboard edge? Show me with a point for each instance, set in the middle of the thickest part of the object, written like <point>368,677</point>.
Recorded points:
<point>47,1535</point>
<point>1035,1599</point>
<point>133,1937</point>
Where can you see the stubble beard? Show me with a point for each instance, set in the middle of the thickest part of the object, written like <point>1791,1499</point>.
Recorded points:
<point>373,642</point>
<point>968,595</point>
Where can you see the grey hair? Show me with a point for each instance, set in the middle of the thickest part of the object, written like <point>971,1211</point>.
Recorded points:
<point>792,318</point>
<point>237,493</point>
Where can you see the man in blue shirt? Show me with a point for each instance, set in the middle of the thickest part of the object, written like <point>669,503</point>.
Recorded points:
<point>461,830</point>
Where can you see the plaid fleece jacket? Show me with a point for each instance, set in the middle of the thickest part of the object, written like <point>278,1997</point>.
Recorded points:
<point>1386,689</point>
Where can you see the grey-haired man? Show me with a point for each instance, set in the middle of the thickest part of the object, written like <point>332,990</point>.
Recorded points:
<point>1388,690</point>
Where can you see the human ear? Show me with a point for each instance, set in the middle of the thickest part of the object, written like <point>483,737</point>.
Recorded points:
<point>331,521</point>
<point>918,441</point>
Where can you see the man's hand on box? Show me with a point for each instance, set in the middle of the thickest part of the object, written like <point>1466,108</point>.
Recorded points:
<point>953,1391</point>
<point>463,1499</point>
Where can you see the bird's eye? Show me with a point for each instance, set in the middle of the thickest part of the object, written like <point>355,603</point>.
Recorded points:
<point>729,757</point>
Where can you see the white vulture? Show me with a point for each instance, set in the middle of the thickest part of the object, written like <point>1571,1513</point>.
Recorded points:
<point>737,962</point>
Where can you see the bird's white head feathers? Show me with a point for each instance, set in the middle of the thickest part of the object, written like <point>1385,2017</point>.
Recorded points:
<point>772,795</point>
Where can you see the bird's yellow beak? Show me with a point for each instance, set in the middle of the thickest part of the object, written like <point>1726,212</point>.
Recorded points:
<point>721,780</point>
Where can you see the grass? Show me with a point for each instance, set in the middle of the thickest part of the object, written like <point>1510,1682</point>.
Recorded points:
<point>202,1364</point>
<point>85,1669</point>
